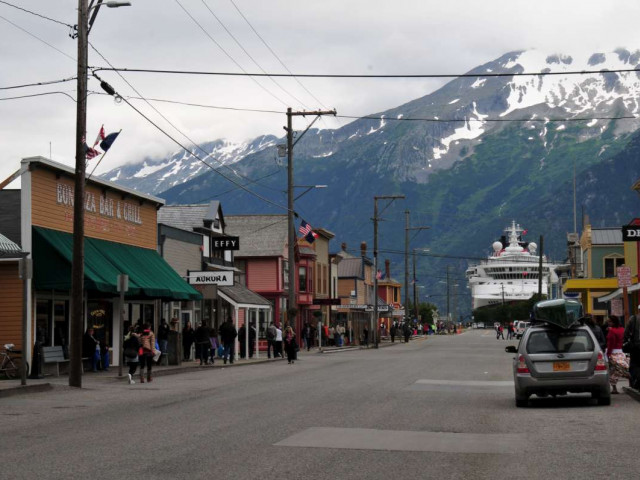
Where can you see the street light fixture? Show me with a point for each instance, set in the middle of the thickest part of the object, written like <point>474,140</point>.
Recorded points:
<point>308,189</point>
<point>77,262</point>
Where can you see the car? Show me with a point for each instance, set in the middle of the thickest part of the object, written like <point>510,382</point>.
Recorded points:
<point>558,355</point>
<point>520,327</point>
<point>481,325</point>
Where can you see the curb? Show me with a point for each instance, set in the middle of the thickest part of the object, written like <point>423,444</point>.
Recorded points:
<point>24,389</point>
<point>632,392</point>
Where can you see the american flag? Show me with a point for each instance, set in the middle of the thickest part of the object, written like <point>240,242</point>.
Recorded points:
<point>305,228</point>
<point>90,152</point>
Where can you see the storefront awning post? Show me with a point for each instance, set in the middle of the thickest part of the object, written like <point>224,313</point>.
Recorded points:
<point>236,312</point>
<point>257,313</point>
<point>247,326</point>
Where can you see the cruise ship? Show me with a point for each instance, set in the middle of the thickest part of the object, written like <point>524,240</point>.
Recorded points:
<point>511,272</point>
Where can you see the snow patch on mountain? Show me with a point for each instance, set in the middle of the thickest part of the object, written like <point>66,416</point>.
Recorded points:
<point>473,128</point>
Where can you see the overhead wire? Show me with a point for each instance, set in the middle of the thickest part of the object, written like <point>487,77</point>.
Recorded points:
<point>39,95</point>
<point>37,38</point>
<point>250,56</point>
<point>36,14</point>
<point>229,55</point>
<point>39,84</point>
<point>264,42</point>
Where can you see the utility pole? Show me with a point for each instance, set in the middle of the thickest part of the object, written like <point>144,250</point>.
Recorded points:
<point>77,267</point>
<point>406,258</point>
<point>415,287</point>
<point>373,331</point>
<point>292,307</point>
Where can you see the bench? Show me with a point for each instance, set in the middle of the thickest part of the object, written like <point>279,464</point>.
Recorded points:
<point>54,355</point>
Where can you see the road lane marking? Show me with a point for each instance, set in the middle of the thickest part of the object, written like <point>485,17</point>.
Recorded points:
<point>398,440</point>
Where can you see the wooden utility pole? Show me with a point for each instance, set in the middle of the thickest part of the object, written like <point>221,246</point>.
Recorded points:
<point>77,263</point>
<point>292,305</point>
<point>406,259</point>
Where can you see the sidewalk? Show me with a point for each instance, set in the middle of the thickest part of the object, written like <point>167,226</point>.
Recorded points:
<point>49,382</point>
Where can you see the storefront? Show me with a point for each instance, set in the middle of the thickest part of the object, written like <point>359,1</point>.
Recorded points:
<point>120,238</point>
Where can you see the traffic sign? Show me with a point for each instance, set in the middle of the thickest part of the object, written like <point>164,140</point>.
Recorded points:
<point>624,277</point>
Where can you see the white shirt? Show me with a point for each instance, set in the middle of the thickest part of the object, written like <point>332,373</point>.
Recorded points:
<point>278,335</point>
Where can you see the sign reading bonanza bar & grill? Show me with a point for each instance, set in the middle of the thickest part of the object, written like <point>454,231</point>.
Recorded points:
<point>223,279</point>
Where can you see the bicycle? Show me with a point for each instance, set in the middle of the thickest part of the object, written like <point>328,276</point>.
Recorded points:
<point>7,365</point>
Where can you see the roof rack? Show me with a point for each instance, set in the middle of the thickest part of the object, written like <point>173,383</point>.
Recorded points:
<point>561,313</point>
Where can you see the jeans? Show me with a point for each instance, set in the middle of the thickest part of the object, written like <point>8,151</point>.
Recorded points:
<point>270,346</point>
<point>229,352</point>
<point>133,366</point>
<point>163,346</point>
<point>202,351</point>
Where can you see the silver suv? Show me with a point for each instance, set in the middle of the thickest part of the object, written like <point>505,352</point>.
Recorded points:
<point>555,361</point>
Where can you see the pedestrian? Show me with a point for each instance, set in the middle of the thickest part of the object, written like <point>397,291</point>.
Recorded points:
<point>242,341</point>
<point>597,332</point>
<point>632,337</point>
<point>510,331</point>
<point>163,336</point>
<point>213,342</point>
<point>332,335</point>
<point>290,344</point>
<point>188,337</point>
<point>228,334</point>
<point>336,336</point>
<point>392,332</point>
<point>252,340</point>
<point>618,365</point>
<point>407,332</point>
<point>365,336</point>
<point>307,335</point>
<point>500,332</point>
<point>91,348</point>
<point>104,356</point>
<point>147,344</point>
<point>202,343</point>
<point>271,340</point>
<point>131,346</point>
<point>278,350</point>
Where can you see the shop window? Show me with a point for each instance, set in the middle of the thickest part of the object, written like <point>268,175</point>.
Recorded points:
<point>302,279</point>
<point>43,322</point>
<point>611,265</point>
<point>61,325</point>
<point>100,318</point>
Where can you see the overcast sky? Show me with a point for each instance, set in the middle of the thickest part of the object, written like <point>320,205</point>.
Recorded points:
<point>327,37</point>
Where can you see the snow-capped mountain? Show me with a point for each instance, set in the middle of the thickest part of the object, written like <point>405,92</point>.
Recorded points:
<point>157,175</point>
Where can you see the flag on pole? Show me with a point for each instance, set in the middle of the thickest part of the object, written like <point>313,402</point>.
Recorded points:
<point>108,141</point>
<point>524,232</point>
<point>310,237</point>
<point>100,136</point>
<point>379,274</point>
<point>90,152</point>
<point>305,228</point>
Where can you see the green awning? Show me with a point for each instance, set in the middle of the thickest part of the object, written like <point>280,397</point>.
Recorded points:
<point>149,275</point>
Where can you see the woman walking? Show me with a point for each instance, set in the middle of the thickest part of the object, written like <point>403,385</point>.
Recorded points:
<point>290,344</point>
<point>618,365</point>
<point>188,337</point>
<point>131,346</point>
<point>147,344</point>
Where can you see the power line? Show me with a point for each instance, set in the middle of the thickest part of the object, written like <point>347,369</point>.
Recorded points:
<point>39,95</point>
<point>39,84</point>
<point>171,123</point>
<point>37,38</point>
<point>249,55</point>
<point>230,57</point>
<point>264,199</point>
<point>264,42</point>
<point>370,76</point>
<point>37,14</point>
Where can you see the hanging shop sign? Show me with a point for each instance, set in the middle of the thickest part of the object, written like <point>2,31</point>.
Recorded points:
<point>631,233</point>
<point>225,243</point>
<point>326,301</point>
<point>223,279</point>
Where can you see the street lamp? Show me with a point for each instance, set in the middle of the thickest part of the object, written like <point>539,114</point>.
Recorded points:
<point>308,189</point>
<point>77,262</point>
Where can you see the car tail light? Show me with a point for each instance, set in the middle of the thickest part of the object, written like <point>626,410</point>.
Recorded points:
<point>601,364</point>
<point>522,365</point>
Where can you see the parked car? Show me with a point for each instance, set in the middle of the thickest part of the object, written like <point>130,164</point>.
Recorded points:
<point>521,326</point>
<point>481,325</point>
<point>558,355</point>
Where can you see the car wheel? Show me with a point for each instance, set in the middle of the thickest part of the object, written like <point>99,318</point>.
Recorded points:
<point>604,400</point>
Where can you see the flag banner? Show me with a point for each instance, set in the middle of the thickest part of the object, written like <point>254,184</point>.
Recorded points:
<point>90,152</point>
<point>310,237</point>
<point>100,136</point>
<point>108,141</point>
<point>305,228</point>
<point>524,232</point>
<point>379,275</point>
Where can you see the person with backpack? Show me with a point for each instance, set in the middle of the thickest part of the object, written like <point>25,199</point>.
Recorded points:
<point>131,346</point>
<point>228,334</point>
<point>147,345</point>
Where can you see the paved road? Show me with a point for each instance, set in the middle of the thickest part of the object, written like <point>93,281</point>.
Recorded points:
<point>437,408</point>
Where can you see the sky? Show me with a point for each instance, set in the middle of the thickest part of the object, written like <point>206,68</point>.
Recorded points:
<point>328,37</point>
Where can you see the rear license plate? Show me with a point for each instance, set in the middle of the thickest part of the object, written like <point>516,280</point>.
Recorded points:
<point>561,366</point>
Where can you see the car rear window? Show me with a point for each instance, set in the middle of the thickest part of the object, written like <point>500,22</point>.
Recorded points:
<point>559,341</point>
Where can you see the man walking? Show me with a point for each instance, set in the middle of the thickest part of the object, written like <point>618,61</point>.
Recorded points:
<point>278,350</point>
<point>392,332</point>
<point>228,334</point>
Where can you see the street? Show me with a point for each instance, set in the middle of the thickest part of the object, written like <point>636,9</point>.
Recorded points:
<point>441,407</point>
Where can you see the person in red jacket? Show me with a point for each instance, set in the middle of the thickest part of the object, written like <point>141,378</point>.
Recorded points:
<point>618,365</point>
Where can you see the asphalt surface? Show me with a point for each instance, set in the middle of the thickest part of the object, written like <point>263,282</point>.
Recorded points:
<point>436,408</point>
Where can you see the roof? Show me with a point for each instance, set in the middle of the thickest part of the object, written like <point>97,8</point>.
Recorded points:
<point>184,217</point>
<point>304,250</point>
<point>26,162</point>
<point>606,236</point>
<point>260,235</point>
<point>350,267</point>
<point>8,248</point>
<point>241,296</point>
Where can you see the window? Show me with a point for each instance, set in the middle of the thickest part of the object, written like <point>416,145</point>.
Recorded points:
<point>610,266</point>
<point>560,341</point>
<point>302,279</point>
